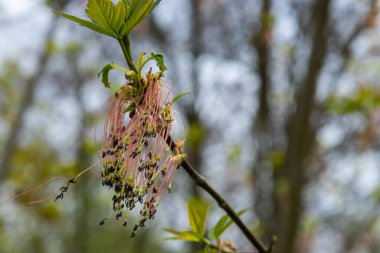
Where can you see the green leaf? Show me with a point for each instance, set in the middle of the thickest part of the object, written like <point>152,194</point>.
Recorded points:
<point>159,58</point>
<point>137,11</point>
<point>86,23</point>
<point>106,14</point>
<point>155,3</point>
<point>220,226</point>
<point>105,72</point>
<point>115,20</point>
<point>179,96</point>
<point>141,62</point>
<point>186,235</point>
<point>223,224</point>
<point>130,108</point>
<point>197,211</point>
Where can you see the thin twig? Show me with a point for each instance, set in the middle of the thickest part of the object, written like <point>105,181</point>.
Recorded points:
<point>272,244</point>
<point>201,182</point>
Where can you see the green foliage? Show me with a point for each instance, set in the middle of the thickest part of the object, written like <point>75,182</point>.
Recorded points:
<point>132,75</point>
<point>223,224</point>
<point>11,87</point>
<point>277,158</point>
<point>282,186</point>
<point>51,47</point>
<point>49,212</point>
<point>113,20</point>
<point>137,11</point>
<point>105,72</point>
<point>186,235</point>
<point>176,98</point>
<point>197,212</point>
<point>130,108</point>
<point>309,225</point>
<point>234,153</point>
<point>220,227</point>
<point>376,194</point>
<point>363,101</point>
<point>196,134</point>
<point>267,19</point>
<point>107,15</point>
<point>87,24</point>
<point>117,21</point>
<point>159,58</point>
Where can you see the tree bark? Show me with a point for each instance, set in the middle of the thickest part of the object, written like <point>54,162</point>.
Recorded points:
<point>301,136</point>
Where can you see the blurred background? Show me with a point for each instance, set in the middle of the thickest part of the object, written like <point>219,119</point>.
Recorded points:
<point>284,118</point>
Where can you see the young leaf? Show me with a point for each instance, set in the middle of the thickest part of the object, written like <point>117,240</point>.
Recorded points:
<point>137,11</point>
<point>115,20</point>
<point>156,3</point>
<point>179,96</point>
<point>197,211</point>
<point>106,14</point>
<point>220,227</point>
<point>186,235</point>
<point>105,72</point>
<point>223,224</point>
<point>140,62</point>
<point>86,23</point>
<point>159,58</point>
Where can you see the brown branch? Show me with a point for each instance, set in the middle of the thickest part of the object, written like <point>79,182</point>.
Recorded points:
<point>272,244</point>
<point>201,182</point>
<point>344,48</point>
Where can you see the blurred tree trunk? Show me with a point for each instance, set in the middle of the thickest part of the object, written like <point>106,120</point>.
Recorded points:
<point>28,96</point>
<point>78,243</point>
<point>301,137</point>
<point>27,100</point>
<point>195,144</point>
<point>195,147</point>
<point>262,44</point>
<point>261,125</point>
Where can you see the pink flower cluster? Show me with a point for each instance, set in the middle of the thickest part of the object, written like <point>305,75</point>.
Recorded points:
<point>135,158</point>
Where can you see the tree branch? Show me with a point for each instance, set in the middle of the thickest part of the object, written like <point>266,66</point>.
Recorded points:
<point>201,182</point>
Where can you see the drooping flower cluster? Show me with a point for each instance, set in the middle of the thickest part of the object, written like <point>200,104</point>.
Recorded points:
<point>135,158</point>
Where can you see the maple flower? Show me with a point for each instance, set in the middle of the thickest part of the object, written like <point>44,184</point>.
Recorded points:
<point>135,158</point>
